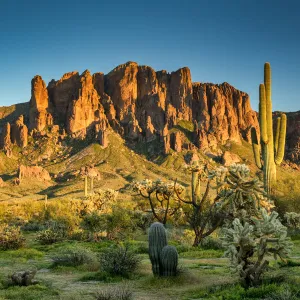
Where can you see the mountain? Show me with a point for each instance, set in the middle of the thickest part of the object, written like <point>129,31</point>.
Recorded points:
<point>130,124</point>
<point>138,103</point>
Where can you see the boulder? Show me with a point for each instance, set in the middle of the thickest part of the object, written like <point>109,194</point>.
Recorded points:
<point>23,278</point>
<point>229,158</point>
<point>19,132</point>
<point>5,140</point>
<point>33,172</point>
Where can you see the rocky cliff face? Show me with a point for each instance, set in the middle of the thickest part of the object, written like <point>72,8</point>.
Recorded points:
<point>221,113</point>
<point>139,103</point>
<point>292,152</point>
<point>40,111</point>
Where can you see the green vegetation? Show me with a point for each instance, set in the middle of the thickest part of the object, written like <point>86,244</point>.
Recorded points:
<point>97,245</point>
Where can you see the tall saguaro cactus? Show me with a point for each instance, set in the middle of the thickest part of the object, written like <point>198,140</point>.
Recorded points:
<point>269,152</point>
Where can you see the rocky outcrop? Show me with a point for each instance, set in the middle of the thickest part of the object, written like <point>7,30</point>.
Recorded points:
<point>5,140</point>
<point>165,137</point>
<point>39,114</point>
<point>34,172</point>
<point>176,141</point>
<point>121,86</point>
<point>76,101</point>
<point>222,113</point>
<point>19,132</point>
<point>182,93</point>
<point>141,105</point>
<point>150,131</point>
<point>229,158</point>
<point>102,133</point>
<point>292,152</point>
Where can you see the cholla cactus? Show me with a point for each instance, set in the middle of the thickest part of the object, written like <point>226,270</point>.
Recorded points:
<point>248,245</point>
<point>237,189</point>
<point>160,195</point>
<point>292,220</point>
<point>101,200</point>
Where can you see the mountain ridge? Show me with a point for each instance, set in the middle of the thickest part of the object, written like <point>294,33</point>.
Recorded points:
<point>140,104</point>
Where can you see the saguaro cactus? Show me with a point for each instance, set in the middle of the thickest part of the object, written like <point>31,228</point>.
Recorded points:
<point>85,186</point>
<point>268,153</point>
<point>157,241</point>
<point>195,168</point>
<point>169,261</point>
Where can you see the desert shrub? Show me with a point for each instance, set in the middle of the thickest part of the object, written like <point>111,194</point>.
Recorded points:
<point>93,222</point>
<point>63,224</point>
<point>274,291</point>
<point>119,224</point>
<point>49,236</point>
<point>32,226</point>
<point>142,220</point>
<point>122,292</point>
<point>57,230</point>
<point>116,225</point>
<point>119,261</point>
<point>79,235</point>
<point>211,243</point>
<point>11,237</point>
<point>138,246</point>
<point>73,257</point>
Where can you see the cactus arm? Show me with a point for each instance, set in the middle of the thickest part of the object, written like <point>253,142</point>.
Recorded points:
<point>267,80</point>
<point>277,135</point>
<point>281,140</point>
<point>256,148</point>
<point>263,113</point>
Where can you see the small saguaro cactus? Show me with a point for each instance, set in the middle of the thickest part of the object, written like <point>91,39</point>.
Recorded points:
<point>157,241</point>
<point>85,186</point>
<point>272,151</point>
<point>169,261</point>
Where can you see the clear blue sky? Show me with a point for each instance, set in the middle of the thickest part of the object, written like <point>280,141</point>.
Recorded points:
<point>219,40</point>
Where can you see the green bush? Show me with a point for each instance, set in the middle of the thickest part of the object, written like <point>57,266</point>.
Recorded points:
<point>119,261</point>
<point>73,257</point>
<point>122,292</point>
<point>63,225</point>
<point>92,222</point>
<point>49,236</point>
<point>11,237</point>
<point>57,230</point>
<point>32,226</point>
<point>211,243</point>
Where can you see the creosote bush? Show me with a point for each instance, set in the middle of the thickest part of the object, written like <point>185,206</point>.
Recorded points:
<point>119,261</point>
<point>48,237</point>
<point>73,257</point>
<point>10,237</point>
<point>57,230</point>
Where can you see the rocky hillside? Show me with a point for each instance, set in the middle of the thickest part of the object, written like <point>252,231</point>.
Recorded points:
<point>140,104</point>
<point>130,124</point>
